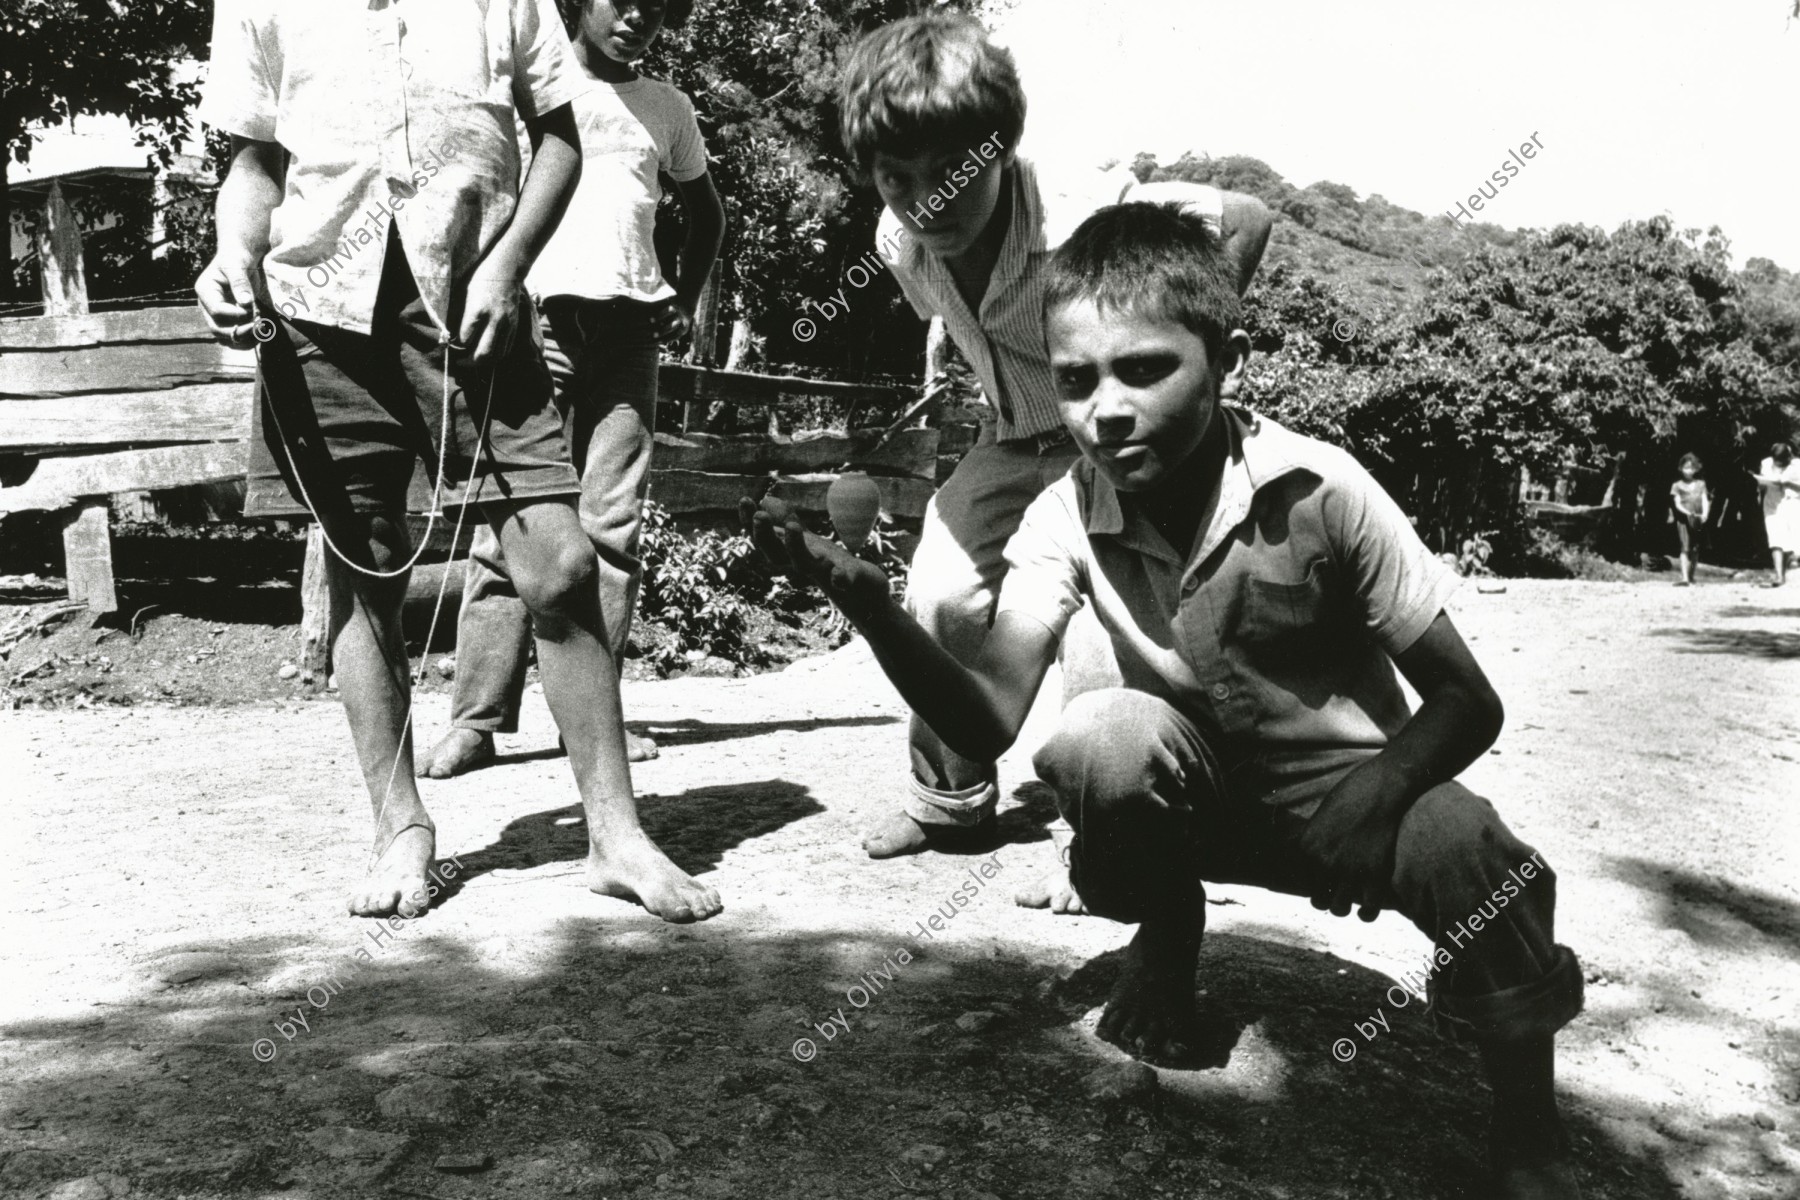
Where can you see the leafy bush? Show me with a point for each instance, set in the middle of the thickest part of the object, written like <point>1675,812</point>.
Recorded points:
<point>694,587</point>
<point>711,593</point>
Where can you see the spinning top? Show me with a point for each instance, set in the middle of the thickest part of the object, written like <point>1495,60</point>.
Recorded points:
<point>853,502</point>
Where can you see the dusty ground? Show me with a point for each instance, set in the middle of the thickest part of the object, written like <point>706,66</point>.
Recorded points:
<point>177,887</point>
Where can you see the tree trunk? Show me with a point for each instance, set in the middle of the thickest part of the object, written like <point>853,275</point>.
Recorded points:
<point>59,254</point>
<point>937,349</point>
<point>703,349</point>
<point>6,284</point>
<point>740,345</point>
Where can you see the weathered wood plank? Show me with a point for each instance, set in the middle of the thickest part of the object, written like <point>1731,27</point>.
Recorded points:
<point>87,557</point>
<point>914,452</point>
<point>213,412</point>
<point>684,492</point>
<point>122,367</point>
<point>183,324</point>
<point>683,382</point>
<point>59,482</point>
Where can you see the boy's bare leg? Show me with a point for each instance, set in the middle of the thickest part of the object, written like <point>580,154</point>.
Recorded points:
<point>368,653</point>
<point>1150,1012</point>
<point>553,569</point>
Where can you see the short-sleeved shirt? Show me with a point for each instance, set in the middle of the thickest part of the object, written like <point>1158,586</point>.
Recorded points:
<point>1690,496</point>
<point>604,245</point>
<point>1004,340</point>
<point>1276,633</point>
<point>389,111</point>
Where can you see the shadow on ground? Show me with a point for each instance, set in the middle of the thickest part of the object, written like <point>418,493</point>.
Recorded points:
<point>1758,643</point>
<point>689,732</point>
<point>639,1061</point>
<point>694,829</point>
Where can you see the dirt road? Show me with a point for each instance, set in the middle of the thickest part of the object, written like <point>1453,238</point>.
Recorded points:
<point>176,887</point>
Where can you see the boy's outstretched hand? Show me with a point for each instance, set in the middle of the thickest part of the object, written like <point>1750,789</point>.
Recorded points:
<point>858,588</point>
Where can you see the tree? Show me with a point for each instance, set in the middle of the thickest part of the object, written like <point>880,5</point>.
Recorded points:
<point>763,75</point>
<point>70,58</point>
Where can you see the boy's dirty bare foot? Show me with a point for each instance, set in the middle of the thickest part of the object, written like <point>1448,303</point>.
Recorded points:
<point>1531,1160</point>
<point>631,867</point>
<point>897,834</point>
<point>396,885</point>
<point>1150,1014</point>
<point>1053,891</point>
<point>458,751</point>
<point>639,749</point>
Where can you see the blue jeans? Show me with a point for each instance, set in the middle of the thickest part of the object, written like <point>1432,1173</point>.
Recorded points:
<point>1154,813</point>
<point>603,357</point>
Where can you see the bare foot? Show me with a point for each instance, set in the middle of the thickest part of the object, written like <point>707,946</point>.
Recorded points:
<point>1150,1014</point>
<point>1053,891</point>
<point>458,751</point>
<point>639,749</point>
<point>632,868</point>
<point>897,834</point>
<point>1532,1161</point>
<point>396,882</point>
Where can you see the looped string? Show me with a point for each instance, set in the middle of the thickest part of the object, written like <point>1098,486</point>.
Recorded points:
<point>262,326</point>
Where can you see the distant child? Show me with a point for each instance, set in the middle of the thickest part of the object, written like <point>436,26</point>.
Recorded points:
<point>1778,480</point>
<point>1258,589</point>
<point>605,307</point>
<point>375,201</point>
<point>933,112</point>
<point>1690,504</point>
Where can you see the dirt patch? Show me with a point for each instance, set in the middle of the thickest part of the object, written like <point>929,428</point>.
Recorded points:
<point>178,916</point>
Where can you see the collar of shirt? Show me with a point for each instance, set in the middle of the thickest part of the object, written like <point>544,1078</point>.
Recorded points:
<point>1259,452</point>
<point>1003,335</point>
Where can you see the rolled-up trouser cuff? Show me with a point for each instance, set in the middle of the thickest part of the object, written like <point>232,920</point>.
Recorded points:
<point>1533,1009</point>
<point>931,806</point>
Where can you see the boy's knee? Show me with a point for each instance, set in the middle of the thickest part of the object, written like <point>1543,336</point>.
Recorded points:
<point>1452,841</point>
<point>1112,746</point>
<point>559,574</point>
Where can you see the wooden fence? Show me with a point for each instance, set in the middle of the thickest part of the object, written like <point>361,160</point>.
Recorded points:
<point>95,406</point>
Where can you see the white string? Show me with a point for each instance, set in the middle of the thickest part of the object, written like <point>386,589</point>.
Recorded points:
<point>264,329</point>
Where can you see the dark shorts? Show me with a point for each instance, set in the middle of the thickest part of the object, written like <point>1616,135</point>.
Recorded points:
<point>348,419</point>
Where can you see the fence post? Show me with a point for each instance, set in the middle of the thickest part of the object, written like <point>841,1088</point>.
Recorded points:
<point>315,612</point>
<point>87,556</point>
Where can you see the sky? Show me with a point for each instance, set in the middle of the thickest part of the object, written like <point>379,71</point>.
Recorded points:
<point>1682,107</point>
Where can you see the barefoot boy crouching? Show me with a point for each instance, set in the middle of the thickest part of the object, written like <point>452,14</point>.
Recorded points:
<point>1258,589</point>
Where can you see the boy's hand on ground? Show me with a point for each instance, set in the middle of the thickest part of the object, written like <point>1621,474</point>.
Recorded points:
<point>672,321</point>
<point>230,292</point>
<point>1350,843</point>
<point>858,588</point>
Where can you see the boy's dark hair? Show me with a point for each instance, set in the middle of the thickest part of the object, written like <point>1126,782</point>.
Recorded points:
<point>1782,454</point>
<point>927,82</point>
<point>1155,259</point>
<point>1691,457</point>
<point>675,13</point>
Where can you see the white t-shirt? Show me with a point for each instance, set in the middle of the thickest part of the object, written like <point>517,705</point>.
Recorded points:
<point>605,245</point>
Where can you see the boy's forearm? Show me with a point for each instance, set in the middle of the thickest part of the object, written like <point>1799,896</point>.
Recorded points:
<point>699,251</point>
<point>247,200</point>
<point>1244,221</point>
<point>555,170</point>
<point>946,695</point>
<point>1245,226</point>
<point>1454,726</point>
